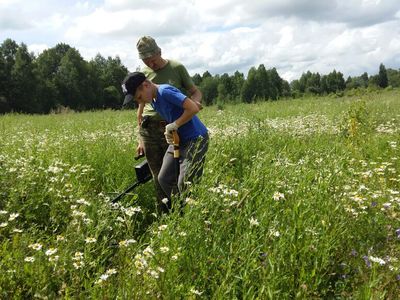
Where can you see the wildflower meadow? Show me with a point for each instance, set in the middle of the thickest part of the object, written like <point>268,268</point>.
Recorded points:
<point>299,199</point>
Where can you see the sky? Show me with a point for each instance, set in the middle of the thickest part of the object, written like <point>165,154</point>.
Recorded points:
<point>219,36</point>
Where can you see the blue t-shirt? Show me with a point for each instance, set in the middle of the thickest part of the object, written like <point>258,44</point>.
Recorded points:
<point>168,104</point>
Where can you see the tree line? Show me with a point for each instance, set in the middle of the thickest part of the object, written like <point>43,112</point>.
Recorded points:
<point>60,78</point>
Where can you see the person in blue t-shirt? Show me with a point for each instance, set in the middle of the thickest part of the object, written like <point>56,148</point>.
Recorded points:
<point>180,112</point>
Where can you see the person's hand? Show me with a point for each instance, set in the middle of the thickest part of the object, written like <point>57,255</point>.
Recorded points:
<point>168,132</point>
<point>199,105</point>
<point>169,138</point>
<point>140,149</point>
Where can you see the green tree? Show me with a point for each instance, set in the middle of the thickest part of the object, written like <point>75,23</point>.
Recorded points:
<point>110,73</point>
<point>237,84</point>
<point>373,81</point>
<point>4,105</point>
<point>357,81</point>
<point>111,97</point>
<point>262,84</point>
<point>71,80</point>
<point>206,74</point>
<point>47,67</point>
<point>314,84</point>
<point>295,87</point>
<point>249,86</point>
<point>225,87</point>
<point>286,91</point>
<point>303,81</point>
<point>197,79</point>
<point>275,82</point>
<point>115,73</point>
<point>382,77</point>
<point>8,52</point>
<point>393,77</point>
<point>222,93</point>
<point>334,82</point>
<point>98,70</point>
<point>364,79</point>
<point>324,84</point>
<point>209,89</point>
<point>349,81</point>
<point>24,82</point>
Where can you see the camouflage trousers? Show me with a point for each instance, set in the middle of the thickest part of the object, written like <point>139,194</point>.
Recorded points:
<point>155,147</point>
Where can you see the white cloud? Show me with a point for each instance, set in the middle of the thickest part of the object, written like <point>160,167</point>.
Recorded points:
<point>100,22</point>
<point>351,36</point>
<point>9,12</point>
<point>54,22</point>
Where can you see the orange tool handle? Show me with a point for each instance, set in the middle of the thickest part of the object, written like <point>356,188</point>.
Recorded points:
<point>175,138</point>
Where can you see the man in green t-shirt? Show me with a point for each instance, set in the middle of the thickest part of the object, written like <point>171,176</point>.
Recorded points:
<point>151,126</point>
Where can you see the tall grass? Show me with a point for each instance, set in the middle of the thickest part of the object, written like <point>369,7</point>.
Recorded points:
<point>300,199</point>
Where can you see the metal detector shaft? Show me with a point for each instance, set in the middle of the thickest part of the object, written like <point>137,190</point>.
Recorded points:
<point>126,191</point>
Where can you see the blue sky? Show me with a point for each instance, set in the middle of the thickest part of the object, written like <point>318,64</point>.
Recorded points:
<point>352,36</point>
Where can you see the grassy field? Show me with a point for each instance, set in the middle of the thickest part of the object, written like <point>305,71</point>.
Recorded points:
<point>300,199</point>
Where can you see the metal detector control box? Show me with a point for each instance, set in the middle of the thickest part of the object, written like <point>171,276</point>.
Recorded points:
<point>142,171</point>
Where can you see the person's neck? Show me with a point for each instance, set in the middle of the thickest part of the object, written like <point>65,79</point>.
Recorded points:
<point>164,62</point>
<point>155,91</point>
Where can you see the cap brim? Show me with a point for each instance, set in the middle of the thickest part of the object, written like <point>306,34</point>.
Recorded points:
<point>128,98</point>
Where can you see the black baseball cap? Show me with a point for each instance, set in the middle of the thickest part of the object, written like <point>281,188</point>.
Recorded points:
<point>131,82</point>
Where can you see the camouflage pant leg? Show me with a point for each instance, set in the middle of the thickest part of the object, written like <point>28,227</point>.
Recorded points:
<point>155,147</point>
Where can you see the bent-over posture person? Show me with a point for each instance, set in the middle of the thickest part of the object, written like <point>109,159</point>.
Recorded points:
<point>151,140</point>
<point>180,113</point>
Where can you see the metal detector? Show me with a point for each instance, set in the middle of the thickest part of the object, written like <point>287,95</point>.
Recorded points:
<point>143,175</point>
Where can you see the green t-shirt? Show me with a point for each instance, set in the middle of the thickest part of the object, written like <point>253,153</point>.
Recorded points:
<point>173,73</point>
